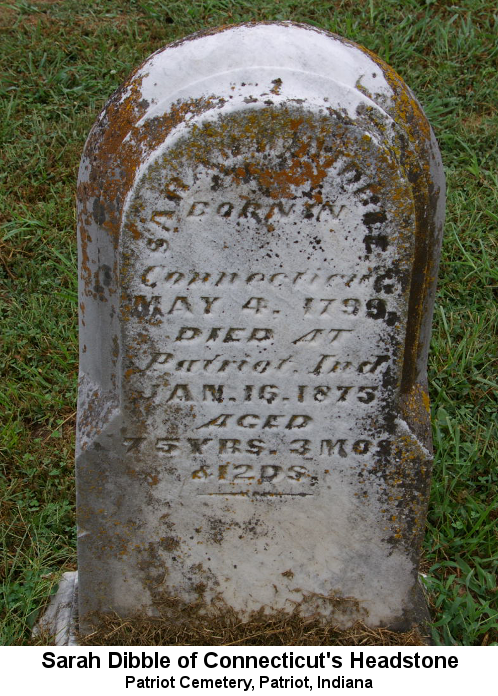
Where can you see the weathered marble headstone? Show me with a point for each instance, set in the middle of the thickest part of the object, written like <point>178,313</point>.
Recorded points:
<point>260,214</point>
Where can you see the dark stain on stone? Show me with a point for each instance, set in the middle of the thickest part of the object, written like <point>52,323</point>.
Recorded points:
<point>98,212</point>
<point>106,275</point>
<point>169,543</point>
<point>277,86</point>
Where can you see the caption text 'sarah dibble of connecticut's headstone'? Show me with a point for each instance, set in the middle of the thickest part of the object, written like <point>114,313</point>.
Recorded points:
<point>260,215</point>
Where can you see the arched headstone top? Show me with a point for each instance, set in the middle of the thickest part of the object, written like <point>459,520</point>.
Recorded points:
<point>252,67</point>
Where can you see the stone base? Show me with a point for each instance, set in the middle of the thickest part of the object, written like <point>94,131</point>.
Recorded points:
<point>60,619</point>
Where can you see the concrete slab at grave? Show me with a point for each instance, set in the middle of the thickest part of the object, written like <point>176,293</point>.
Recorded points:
<point>260,217</point>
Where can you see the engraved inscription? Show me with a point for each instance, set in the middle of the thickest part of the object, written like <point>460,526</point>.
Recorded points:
<point>262,328</point>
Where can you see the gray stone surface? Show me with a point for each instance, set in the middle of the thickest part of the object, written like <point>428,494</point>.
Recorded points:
<point>60,619</point>
<point>260,217</point>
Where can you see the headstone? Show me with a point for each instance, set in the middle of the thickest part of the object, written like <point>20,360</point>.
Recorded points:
<point>260,216</point>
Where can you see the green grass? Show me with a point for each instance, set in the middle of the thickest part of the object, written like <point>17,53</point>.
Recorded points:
<point>59,63</point>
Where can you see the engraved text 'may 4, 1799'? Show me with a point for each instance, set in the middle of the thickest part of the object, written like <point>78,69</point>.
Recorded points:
<point>260,333</point>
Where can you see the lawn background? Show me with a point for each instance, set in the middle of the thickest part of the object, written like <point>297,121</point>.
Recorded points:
<point>59,62</point>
